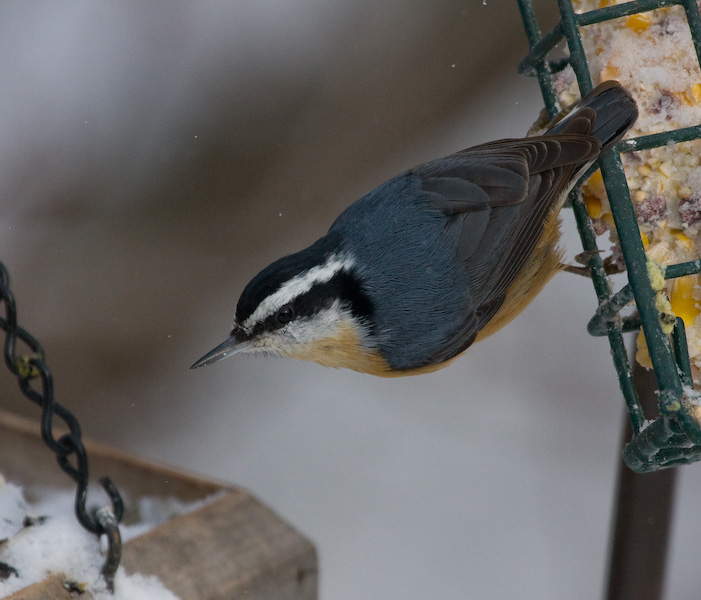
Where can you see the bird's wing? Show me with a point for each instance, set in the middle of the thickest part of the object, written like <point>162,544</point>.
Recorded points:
<point>498,173</point>
<point>497,198</point>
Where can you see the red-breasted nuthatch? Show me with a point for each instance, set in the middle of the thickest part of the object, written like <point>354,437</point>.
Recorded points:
<point>440,256</point>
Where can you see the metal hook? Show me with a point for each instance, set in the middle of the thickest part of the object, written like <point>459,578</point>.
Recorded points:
<point>110,526</point>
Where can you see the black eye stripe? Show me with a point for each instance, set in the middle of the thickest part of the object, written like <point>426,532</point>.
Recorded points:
<point>343,287</point>
<point>270,279</point>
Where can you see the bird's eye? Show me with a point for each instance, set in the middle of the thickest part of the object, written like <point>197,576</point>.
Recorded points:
<point>285,314</point>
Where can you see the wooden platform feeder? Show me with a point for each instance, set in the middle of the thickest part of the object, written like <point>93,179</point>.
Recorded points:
<point>233,547</point>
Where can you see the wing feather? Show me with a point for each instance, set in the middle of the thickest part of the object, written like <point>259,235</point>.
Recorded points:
<point>497,198</point>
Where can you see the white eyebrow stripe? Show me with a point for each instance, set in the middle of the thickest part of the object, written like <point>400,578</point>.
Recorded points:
<point>297,286</point>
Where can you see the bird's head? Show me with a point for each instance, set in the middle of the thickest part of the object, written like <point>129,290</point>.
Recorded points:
<point>311,306</point>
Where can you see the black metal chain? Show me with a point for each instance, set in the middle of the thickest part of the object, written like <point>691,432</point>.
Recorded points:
<point>32,367</point>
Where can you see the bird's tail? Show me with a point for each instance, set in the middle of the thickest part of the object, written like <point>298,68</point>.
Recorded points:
<point>606,113</point>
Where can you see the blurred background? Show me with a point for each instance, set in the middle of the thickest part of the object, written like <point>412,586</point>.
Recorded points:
<point>154,157</point>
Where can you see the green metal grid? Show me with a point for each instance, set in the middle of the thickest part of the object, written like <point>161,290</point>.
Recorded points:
<point>672,437</point>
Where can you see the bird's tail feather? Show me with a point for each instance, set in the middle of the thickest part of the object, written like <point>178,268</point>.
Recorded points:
<point>608,110</point>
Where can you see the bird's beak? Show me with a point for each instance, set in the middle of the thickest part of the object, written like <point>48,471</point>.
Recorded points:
<point>229,347</point>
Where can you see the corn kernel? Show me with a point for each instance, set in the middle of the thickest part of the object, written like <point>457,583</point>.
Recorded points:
<point>593,204</point>
<point>608,219</point>
<point>595,184</point>
<point>693,95</point>
<point>682,237</point>
<point>639,196</point>
<point>609,72</point>
<point>665,169</point>
<point>645,239</point>
<point>644,170</point>
<point>639,22</point>
<point>642,354</point>
<point>682,299</point>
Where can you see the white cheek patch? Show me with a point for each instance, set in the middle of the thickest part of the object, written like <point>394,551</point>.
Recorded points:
<point>297,286</point>
<point>322,324</point>
<point>300,333</point>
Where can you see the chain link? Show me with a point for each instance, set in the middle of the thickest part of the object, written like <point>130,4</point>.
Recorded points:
<point>69,446</point>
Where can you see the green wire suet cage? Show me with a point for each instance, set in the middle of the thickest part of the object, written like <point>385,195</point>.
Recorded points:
<point>672,436</point>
